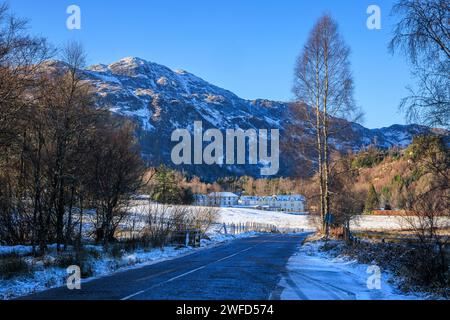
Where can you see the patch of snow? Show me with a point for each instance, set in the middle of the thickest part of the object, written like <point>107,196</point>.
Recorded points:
<point>105,77</point>
<point>19,250</point>
<point>273,122</point>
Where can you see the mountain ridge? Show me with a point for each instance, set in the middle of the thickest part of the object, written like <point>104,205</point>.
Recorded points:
<point>161,100</point>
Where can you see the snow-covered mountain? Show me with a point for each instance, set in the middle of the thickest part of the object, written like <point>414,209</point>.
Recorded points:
<point>161,100</point>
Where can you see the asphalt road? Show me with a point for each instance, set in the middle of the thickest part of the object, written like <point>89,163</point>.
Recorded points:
<point>244,269</point>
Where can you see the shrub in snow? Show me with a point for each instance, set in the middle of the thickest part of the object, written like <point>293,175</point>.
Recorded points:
<point>13,266</point>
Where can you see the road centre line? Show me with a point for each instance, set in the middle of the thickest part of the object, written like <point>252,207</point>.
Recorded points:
<point>192,271</point>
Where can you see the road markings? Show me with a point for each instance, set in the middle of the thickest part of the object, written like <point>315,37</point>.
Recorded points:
<point>132,295</point>
<point>232,255</point>
<point>194,270</point>
<point>156,275</point>
<point>182,275</point>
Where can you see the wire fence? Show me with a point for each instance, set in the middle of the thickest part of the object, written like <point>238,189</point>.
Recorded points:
<point>190,233</point>
<point>245,227</point>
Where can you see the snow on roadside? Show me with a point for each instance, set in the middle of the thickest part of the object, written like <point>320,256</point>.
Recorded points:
<point>313,274</point>
<point>46,277</point>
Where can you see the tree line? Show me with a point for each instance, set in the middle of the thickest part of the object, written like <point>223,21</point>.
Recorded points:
<point>61,157</point>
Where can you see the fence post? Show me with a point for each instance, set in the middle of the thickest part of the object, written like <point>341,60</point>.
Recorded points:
<point>197,239</point>
<point>187,238</point>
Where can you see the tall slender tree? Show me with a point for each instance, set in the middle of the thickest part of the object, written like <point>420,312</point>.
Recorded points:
<point>323,85</point>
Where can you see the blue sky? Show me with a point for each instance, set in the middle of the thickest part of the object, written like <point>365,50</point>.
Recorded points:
<point>246,46</point>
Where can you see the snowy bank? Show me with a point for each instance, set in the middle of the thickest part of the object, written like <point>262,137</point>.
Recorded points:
<point>314,275</point>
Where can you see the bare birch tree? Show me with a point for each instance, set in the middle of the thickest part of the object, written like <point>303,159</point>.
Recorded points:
<point>324,87</point>
<point>422,33</point>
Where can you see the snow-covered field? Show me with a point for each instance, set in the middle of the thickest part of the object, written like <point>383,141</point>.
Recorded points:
<point>284,220</point>
<point>306,222</point>
<point>313,275</point>
<point>375,223</point>
<point>227,215</point>
<point>279,219</point>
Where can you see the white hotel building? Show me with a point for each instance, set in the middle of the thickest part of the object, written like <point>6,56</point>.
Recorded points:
<point>287,203</point>
<point>217,199</point>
